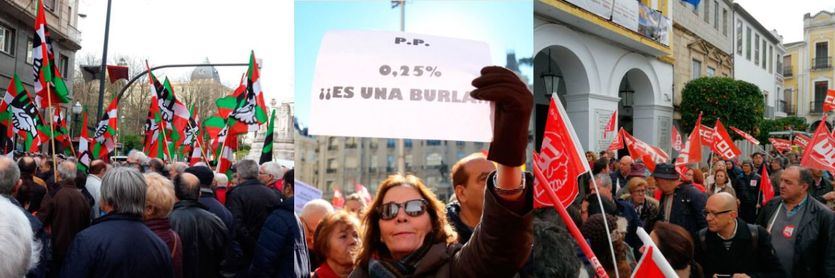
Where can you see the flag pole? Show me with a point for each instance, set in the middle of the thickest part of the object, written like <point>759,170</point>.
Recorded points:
<point>605,223</point>
<point>165,139</point>
<point>569,223</point>
<point>52,133</point>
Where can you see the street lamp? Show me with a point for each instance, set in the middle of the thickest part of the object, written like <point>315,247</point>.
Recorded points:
<point>76,110</point>
<point>552,80</point>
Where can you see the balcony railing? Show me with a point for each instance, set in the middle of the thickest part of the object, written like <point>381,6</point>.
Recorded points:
<point>821,63</point>
<point>787,72</point>
<point>816,106</point>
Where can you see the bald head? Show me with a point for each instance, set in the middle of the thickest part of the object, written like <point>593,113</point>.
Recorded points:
<point>97,167</point>
<point>187,187</point>
<point>9,175</point>
<point>722,201</point>
<point>625,165</point>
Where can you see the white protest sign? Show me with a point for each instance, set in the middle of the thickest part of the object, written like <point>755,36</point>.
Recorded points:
<point>399,85</point>
<point>303,193</point>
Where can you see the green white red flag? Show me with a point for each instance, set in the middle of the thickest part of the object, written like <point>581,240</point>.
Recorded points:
<point>105,132</point>
<point>84,154</point>
<point>49,86</point>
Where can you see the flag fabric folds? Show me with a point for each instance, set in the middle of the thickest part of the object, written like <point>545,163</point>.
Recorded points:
<point>560,158</point>
<point>267,149</point>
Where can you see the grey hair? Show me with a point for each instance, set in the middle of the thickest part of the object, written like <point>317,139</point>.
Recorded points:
<point>137,156</point>
<point>317,206</point>
<point>221,179</point>
<point>124,189</point>
<point>67,170</point>
<point>603,180</point>
<point>180,167</point>
<point>9,175</point>
<point>247,169</point>
<point>19,248</point>
<point>805,176</point>
<point>273,168</point>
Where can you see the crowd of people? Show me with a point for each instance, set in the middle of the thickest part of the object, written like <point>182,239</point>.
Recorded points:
<point>141,218</point>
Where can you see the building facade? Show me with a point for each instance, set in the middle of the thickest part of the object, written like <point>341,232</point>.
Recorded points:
<point>758,56</point>
<point>284,150</point>
<point>703,43</point>
<point>810,64</point>
<point>598,61</point>
<point>17,21</point>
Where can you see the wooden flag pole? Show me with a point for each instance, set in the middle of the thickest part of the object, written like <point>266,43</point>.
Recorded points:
<point>165,139</point>
<point>52,133</point>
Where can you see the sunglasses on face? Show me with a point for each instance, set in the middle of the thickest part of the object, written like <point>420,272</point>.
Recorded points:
<point>413,208</point>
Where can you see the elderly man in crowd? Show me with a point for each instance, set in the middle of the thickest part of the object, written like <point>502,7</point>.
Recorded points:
<point>220,186</point>
<point>619,177</point>
<point>281,250</point>
<point>67,213</point>
<point>204,235</point>
<point>681,203</point>
<point>9,179</point>
<point>802,229</point>
<point>270,174</point>
<point>469,178</point>
<point>250,202</point>
<point>312,214</point>
<point>119,244</point>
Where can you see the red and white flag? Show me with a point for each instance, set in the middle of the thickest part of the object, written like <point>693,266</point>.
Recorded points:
<point>820,154</point>
<point>338,200</point>
<point>561,159</point>
<point>676,139</point>
<point>707,135</point>
<point>722,143</point>
<point>196,155</point>
<point>780,144</point>
<point>611,125</point>
<point>694,150</point>
<point>801,140</point>
<point>363,192</point>
<point>829,101</point>
<point>650,155</point>
<point>745,135</point>
<point>766,187</point>
<point>617,144</point>
<point>652,263</point>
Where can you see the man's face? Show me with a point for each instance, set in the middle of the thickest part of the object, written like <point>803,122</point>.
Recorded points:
<point>625,166</point>
<point>666,186</point>
<point>719,214</point>
<point>790,187</point>
<point>746,168</point>
<point>775,165</point>
<point>471,195</point>
<point>758,159</point>
<point>264,177</point>
<point>605,191</point>
<point>816,173</point>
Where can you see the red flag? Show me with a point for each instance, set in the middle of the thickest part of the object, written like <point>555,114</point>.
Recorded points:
<point>550,197</point>
<point>363,192</point>
<point>820,154</point>
<point>766,187</point>
<point>677,143</point>
<point>694,143</point>
<point>801,140</point>
<point>650,155</point>
<point>722,143</point>
<point>745,135</point>
<point>707,135</point>
<point>617,144</point>
<point>338,201</point>
<point>829,101</point>
<point>780,144</point>
<point>560,158</point>
<point>611,125</point>
<point>117,72</point>
<point>646,267</point>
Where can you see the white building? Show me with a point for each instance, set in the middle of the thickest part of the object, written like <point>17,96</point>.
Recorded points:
<point>605,65</point>
<point>758,55</point>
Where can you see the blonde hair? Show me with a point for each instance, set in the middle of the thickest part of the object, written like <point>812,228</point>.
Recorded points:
<point>160,196</point>
<point>634,183</point>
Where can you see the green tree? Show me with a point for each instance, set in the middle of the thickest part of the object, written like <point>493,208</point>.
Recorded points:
<point>783,124</point>
<point>737,103</point>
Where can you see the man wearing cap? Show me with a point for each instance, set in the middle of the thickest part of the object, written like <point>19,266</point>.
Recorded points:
<point>681,204</point>
<point>207,196</point>
<point>747,188</point>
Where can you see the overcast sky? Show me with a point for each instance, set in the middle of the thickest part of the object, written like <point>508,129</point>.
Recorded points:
<point>189,31</point>
<point>785,15</point>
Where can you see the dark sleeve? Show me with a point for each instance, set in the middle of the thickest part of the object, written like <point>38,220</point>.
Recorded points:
<point>79,259</point>
<point>767,261</point>
<point>272,239</point>
<point>235,206</point>
<point>829,250</point>
<point>698,201</point>
<point>762,217</point>
<point>502,242</point>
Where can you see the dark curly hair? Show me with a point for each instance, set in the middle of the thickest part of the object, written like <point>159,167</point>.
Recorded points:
<point>596,233</point>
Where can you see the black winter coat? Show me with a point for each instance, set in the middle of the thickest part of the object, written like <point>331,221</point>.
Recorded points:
<point>741,257</point>
<point>117,246</point>
<point>687,210</point>
<point>814,247</point>
<point>205,238</point>
<point>281,250</point>
<point>748,195</point>
<point>250,203</point>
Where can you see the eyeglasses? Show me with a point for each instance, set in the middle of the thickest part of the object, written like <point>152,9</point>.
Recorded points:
<point>715,214</point>
<point>413,208</point>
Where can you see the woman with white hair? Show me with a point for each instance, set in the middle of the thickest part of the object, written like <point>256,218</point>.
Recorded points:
<point>119,244</point>
<point>18,247</point>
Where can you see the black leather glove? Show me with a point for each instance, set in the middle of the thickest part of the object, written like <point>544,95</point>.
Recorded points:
<point>513,103</point>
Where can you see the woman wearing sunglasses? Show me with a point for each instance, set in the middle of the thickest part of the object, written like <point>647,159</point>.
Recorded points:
<point>405,229</point>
